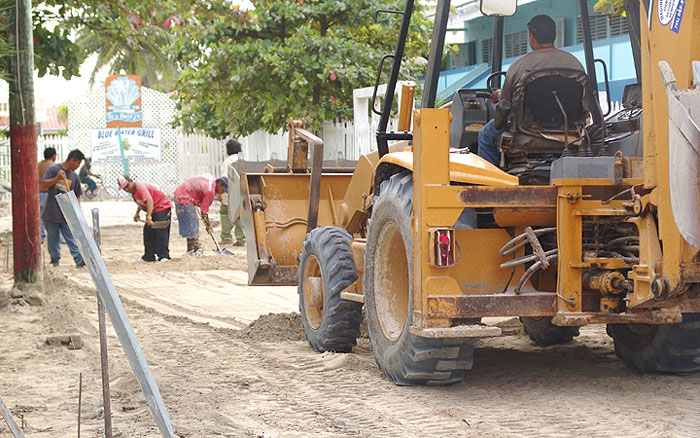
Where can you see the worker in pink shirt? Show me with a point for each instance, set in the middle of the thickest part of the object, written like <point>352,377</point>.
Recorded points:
<point>157,205</point>
<point>198,191</point>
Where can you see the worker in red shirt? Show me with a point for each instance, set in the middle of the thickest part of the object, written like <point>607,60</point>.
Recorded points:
<point>151,199</point>
<point>198,191</point>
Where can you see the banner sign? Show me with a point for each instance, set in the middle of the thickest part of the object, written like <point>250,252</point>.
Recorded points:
<point>123,100</point>
<point>141,145</point>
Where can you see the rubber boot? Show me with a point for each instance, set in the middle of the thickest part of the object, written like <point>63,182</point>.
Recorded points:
<point>193,247</point>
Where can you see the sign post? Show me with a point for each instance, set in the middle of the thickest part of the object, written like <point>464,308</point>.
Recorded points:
<point>124,108</point>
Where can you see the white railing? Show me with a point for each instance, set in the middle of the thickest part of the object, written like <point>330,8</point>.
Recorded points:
<point>59,142</point>
<point>366,120</point>
<point>199,154</point>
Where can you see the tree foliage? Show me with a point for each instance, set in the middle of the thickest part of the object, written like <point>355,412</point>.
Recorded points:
<point>612,7</point>
<point>133,36</point>
<point>54,52</point>
<point>249,70</point>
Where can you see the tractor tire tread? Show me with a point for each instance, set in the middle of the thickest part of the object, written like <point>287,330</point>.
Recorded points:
<point>666,349</point>
<point>340,321</point>
<point>410,359</point>
<point>543,333</point>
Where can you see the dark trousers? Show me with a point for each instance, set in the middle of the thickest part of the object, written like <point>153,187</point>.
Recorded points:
<point>155,241</point>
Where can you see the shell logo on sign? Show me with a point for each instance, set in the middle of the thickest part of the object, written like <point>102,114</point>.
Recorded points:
<point>123,101</point>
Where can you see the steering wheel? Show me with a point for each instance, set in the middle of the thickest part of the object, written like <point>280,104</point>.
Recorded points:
<point>492,76</point>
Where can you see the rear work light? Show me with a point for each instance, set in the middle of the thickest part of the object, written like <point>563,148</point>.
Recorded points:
<point>442,244</point>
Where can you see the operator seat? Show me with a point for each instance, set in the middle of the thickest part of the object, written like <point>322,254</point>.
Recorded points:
<point>538,132</point>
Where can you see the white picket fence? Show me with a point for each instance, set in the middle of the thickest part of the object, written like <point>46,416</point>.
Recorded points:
<point>199,154</point>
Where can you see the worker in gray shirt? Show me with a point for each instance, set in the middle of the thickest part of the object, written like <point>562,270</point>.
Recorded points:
<point>57,179</point>
<point>543,32</point>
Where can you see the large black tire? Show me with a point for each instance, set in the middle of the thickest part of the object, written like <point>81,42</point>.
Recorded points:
<point>667,348</point>
<point>403,358</point>
<point>330,323</point>
<point>542,332</point>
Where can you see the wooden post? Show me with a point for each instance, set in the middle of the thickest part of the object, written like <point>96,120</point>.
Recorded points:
<point>25,192</point>
<point>102,325</point>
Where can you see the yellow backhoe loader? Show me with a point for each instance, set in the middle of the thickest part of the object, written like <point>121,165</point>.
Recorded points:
<point>586,220</point>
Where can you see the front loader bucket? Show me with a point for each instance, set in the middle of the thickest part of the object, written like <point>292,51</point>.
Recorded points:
<point>684,152</point>
<point>274,213</point>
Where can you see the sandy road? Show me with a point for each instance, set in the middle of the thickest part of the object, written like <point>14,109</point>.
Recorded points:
<point>264,381</point>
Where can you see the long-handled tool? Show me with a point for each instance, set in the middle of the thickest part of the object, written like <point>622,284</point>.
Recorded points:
<point>157,225</point>
<point>218,249</point>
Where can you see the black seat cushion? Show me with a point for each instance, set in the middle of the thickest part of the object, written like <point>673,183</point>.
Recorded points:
<point>542,112</point>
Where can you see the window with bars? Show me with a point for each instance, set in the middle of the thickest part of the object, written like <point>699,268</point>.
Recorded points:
<point>618,26</point>
<point>486,50</point>
<point>600,24</point>
<point>516,43</point>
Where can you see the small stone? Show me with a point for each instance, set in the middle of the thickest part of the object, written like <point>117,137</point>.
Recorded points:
<point>4,298</point>
<point>33,298</point>
<point>72,342</point>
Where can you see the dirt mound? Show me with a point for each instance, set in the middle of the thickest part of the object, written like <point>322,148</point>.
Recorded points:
<point>275,327</point>
<point>511,327</point>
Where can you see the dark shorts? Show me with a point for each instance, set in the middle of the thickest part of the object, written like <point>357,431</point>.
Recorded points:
<point>187,220</point>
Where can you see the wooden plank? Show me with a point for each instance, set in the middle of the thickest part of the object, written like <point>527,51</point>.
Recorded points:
<point>117,314</point>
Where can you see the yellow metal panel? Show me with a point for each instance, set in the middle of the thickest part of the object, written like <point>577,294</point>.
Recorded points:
<point>464,168</point>
<point>431,139</point>
<point>406,106</point>
<point>477,269</point>
<point>359,187</point>
<point>569,235</point>
<point>656,42</point>
<point>442,286</point>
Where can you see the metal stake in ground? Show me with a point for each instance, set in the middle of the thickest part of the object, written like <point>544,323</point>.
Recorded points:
<point>103,335</point>
<point>10,422</point>
<point>117,314</point>
<point>80,401</point>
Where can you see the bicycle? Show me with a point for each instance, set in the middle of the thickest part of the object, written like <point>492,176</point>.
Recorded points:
<point>101,193</point>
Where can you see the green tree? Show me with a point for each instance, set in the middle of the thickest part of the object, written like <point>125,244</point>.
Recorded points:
<point>54,52</point>
<point>145,56</point>
<point>129,35</point>
<point>249,70</point>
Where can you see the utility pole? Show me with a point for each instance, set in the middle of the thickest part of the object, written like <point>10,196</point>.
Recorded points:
<point>25,193</point>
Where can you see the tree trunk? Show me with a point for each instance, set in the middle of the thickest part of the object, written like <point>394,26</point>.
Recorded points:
<point>23,143</point>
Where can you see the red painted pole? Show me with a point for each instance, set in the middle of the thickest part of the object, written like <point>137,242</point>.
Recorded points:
<point>25,204</point>
<point>25,190</point>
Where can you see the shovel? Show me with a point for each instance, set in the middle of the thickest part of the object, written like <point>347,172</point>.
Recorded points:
<point>218,249</point>
<point>157,225</point>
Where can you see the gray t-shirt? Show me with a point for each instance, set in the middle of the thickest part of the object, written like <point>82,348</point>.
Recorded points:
<point>535,60</point>
<point>52,212</point>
